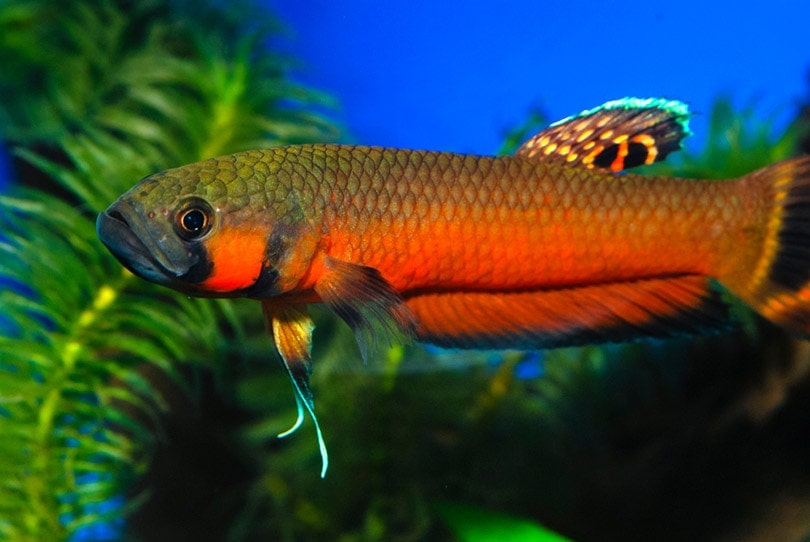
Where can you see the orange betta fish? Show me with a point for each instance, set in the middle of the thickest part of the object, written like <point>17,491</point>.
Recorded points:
<point>546,248</point>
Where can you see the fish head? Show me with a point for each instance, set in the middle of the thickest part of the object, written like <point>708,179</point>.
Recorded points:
<point>217,228</point>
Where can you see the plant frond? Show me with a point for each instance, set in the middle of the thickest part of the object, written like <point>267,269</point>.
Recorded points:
<point>127,90</point>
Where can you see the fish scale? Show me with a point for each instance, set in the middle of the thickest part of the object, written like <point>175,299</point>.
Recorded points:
<point>552,246</point>
<point>575,218</point>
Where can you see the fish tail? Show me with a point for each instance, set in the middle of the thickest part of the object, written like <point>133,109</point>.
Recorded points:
<point>776,280</point>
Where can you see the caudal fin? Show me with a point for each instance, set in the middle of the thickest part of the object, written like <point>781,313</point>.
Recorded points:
<point>778,286</point>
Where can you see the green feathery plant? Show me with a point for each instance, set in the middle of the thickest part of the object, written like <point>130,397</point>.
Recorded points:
<point>98,94</point>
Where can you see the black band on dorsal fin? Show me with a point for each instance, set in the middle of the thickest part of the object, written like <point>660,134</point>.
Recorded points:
<point>616,136</point>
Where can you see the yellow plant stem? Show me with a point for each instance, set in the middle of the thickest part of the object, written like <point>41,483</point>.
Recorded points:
<point>39,491</point>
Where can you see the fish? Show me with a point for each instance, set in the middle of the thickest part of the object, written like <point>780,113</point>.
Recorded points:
<point>554,245</point>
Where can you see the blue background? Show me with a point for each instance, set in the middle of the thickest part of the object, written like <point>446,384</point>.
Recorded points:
<point>459,75</point>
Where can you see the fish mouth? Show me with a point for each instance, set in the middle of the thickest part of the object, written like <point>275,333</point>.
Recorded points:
<point>161,259</point>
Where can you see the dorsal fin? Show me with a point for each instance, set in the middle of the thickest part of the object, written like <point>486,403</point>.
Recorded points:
<point>617,135</point>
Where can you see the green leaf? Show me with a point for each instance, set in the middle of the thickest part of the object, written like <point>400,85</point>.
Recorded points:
<point>473,524</point>
<point>97,94</point>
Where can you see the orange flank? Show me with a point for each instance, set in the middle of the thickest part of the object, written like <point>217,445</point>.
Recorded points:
<point>555,245</point>
<point>589,228</point>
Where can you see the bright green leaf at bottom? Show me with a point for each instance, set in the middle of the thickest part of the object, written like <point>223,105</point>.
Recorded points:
<point>472,524</point>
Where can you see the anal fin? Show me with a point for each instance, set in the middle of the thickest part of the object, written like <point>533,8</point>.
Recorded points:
<point>614,312</point>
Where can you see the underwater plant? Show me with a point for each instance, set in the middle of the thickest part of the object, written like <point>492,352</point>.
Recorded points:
<point>96,94</point>
<point>95,365</point>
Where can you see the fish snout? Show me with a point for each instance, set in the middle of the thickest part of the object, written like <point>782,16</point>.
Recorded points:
<point>148,247</point>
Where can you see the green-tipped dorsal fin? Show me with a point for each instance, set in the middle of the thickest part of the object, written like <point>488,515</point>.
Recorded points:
<point>616,136</point>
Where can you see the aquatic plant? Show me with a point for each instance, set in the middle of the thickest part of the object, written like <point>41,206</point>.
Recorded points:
<point>99,93</point>
<point>475,525</point>
<point>96,95</point>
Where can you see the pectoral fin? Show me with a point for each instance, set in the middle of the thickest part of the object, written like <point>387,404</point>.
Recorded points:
<point>362,297</point>
<point>292,327</point>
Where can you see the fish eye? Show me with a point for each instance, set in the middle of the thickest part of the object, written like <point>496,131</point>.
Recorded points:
<point>193,220</point>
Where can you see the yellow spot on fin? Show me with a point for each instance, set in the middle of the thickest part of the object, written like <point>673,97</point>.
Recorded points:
<point>618,135</point>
